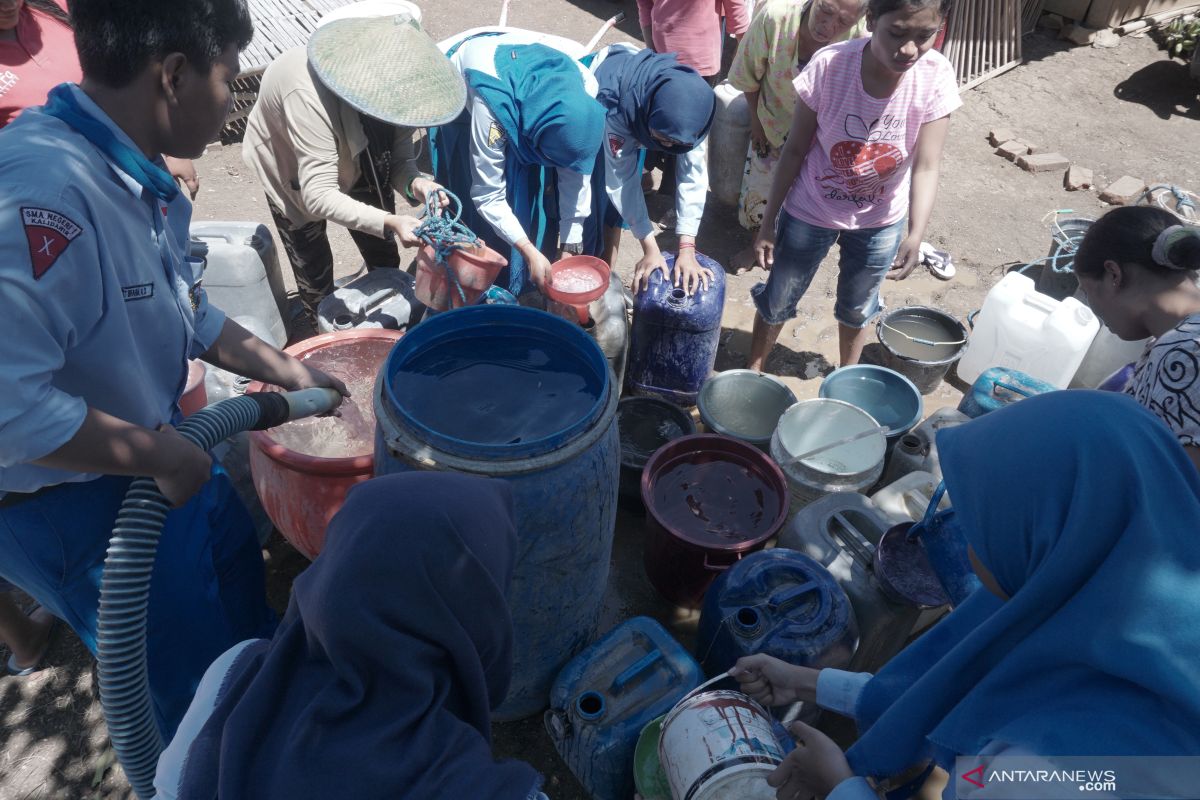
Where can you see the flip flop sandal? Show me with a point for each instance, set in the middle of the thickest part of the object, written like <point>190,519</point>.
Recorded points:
<point>10,666</point>
<point>939,262</point>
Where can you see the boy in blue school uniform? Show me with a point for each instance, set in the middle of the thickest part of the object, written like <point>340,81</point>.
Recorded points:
<point>102,308</point>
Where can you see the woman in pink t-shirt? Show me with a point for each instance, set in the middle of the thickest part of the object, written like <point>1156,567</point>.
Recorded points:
<point>860,167</point>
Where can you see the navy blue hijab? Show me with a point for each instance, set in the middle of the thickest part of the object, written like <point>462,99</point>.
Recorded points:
<point>648,91</point>
<point>1085,508</point>
<point>396,645</point>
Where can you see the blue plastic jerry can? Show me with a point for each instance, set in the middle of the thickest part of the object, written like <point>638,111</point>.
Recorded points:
<point>603,698</point>
<point>999,387</point>
<point>779,602</point>
<point>673,345</point>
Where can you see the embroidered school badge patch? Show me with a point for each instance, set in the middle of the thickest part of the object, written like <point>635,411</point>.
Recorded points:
<point>495,136</point>
<point>49,233</point>
<point>615,143</point>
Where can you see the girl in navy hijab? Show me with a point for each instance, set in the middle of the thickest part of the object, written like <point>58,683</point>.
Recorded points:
<point>396,645</point>
<point>652,103</point>
<point>1081,510</point>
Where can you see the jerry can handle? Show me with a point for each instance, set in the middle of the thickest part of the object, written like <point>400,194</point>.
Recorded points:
<point>781,601</point>
<point>643,664</point>
<point>854,540</point>
<point>1014,389</point>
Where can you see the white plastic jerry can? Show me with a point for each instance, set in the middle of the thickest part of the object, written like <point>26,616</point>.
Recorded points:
<point>1020,328</point>
<point>906,499</point>
<point>728,142</point>
<point>241,273</point>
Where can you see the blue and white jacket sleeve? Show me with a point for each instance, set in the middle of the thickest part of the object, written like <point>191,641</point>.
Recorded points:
<point>575,205</point>
<point>691,189</point>
<point>43,315</point>
<point>488,185</point>
<point>839,691</point>
<point>623,179</point>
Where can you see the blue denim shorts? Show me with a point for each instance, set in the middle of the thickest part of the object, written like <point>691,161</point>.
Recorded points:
<point>866,257</point>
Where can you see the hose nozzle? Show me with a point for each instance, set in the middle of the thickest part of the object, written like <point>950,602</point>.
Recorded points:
<point>310,402</point>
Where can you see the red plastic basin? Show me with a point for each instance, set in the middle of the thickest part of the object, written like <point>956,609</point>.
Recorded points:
<point>302,492</point>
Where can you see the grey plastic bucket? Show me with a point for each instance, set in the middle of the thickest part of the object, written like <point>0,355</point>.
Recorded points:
<point>921,343</point>
<point>1057,278</point>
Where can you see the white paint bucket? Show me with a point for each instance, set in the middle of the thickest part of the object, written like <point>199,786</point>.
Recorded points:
<point>719,746</point>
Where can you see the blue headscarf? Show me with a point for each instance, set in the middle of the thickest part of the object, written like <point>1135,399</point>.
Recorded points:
<point>647,91</point>
<point>540,101</point>
<point>396,645</point>
<point>61,103</point>
<point>1087,511</point>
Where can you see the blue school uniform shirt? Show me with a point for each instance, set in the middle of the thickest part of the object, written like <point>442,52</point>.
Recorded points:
<point>623,176</point>
<point>101,305</point>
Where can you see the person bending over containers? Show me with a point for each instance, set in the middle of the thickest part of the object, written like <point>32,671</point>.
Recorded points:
<point>331,136</point>
<point>1138,267</point>
<point>1082,640</point>
<point>653,103</point>
<point>531,124</point>
<point>860,167</point>
<point>395,647</point>
<point>783,36</point>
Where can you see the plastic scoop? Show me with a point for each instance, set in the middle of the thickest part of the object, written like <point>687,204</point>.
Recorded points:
<point>576,281</point>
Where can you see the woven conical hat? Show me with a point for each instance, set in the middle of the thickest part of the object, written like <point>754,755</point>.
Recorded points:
<point>389,69</point>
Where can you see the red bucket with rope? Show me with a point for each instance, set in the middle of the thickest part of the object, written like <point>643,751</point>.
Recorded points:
<point>475,268</point>
<point>454,267</point>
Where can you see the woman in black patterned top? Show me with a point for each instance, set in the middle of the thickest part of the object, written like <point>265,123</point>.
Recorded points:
<point>1139,267</point>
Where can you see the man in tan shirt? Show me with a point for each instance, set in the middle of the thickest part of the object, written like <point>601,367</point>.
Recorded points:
<point>332,136</point>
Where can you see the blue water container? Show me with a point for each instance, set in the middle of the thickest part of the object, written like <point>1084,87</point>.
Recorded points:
<point>673,346</point>
<point>999,387</point>
<point>607,694</point>
<point>518,394</point>
<point>779,602</point>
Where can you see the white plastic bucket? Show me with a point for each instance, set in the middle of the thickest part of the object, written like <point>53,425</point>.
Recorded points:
<point>848,468</point>
<point>719,746</point>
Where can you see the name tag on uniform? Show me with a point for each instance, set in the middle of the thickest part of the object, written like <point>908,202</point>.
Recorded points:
<point>140,291</point>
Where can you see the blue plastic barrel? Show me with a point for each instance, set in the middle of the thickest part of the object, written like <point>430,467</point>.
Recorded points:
<point>999,387</point>
<point>514,393</point>
<point>605,696</point>
<point>779,602</point>
<point>673,346</point>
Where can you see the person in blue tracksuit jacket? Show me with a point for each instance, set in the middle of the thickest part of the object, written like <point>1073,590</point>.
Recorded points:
<point>1079,509</point>
<point>532,127</point>
<point>102,309</point>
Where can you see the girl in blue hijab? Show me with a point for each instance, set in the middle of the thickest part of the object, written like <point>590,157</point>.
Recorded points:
<point>531,126</point>
<point>652,103</point>
<point>1081,510</point>
<point>396,645</point>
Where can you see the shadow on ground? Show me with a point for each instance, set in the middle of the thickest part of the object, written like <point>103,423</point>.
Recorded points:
<point>53,742</point>
<point>1164,87</point>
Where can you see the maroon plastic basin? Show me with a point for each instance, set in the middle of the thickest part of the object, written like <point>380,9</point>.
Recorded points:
<point>709,501</point>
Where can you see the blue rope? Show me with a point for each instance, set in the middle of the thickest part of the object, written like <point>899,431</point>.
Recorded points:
<point>445,234</point>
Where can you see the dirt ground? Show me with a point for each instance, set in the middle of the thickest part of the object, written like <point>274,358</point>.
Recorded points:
<point>1125,111</point>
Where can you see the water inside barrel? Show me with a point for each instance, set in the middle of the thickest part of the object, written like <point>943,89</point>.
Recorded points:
<point>504,390</point>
